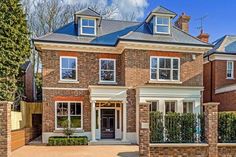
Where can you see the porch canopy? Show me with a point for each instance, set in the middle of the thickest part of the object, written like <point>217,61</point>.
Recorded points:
<point>107,93</point>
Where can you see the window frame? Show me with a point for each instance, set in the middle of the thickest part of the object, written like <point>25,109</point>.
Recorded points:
<point>175,101</point>
<point>76,69</point>
<point>231,70</point>
<point>81,26</point>
<point>156,25</point>
<point>193,103</point>
<point>157,105</point>
<point>69,119</point>
<point>158,68</point>
<point>100,70</point>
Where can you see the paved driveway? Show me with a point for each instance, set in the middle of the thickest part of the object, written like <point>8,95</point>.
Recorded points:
<point>77,151</point>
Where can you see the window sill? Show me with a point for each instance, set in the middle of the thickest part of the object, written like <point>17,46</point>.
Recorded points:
<point>229,78</point>
<point>165,82</point>
<point>64,81</point>
<point>113,83</point>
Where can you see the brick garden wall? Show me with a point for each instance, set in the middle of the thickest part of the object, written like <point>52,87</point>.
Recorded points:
<point>178,151</point>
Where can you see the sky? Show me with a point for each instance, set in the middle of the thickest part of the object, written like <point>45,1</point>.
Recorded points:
<point>220,14</point>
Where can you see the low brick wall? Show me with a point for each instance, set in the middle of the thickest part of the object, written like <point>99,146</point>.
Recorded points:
<point>179,150</point>
<point>226,150</point>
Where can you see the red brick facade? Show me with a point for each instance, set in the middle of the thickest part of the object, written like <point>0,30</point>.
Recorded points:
<point>215,78</point>
<point>132,70</point>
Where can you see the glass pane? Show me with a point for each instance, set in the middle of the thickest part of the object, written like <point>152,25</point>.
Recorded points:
<point>167,107</point>
<point>72,109</point>
<point>154,106</point>
<point>165,21</point>
<point>175,63</point>
<point>72,63</point>
<point>229,74</point>
<point>175,74</point>
<point>159,20</point>
<point>62,109</point>
<point>78,109</point>
<point>164,74</point>
<point>185,107</point>
<point>75,121</point>
<point>64,62</point>
<point>91,22</point>
<point>88,30</point>
<point>97,119</point>
<point>229,65</point>
<point>154,63</point>
<point>61,121</point>
<point>107,65</point>
<point>85,22</point>
<point>165,63</point>
<point>163,29</point>
<point>172,106</point>
<point>68,74</point>
<point>107,75</point>
<point>118,119</point>
<point>190,107</point>
<point>154,74</point>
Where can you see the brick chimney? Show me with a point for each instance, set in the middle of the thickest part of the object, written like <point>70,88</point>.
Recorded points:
<point>183,22</point>
<point>203,36</point>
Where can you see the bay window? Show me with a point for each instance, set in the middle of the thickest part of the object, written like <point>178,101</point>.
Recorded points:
<point>164,69</point>
<point>69,113</point>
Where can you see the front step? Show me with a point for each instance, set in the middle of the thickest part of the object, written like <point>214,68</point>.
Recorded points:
<point>109,142</point>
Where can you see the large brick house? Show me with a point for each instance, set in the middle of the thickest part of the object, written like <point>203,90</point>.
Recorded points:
<point>96,72</point>
<point>220,73</point>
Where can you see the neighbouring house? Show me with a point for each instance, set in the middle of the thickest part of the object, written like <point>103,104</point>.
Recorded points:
<point>220,73</point>
<point>27,77</point>
<point>97,71</point>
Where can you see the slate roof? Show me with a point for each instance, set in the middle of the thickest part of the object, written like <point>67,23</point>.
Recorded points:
<point>111,31</point>
<point>88,12</point>
<point>224,45</point>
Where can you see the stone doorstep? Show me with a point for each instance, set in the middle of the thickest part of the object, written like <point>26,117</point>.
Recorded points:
<point>109,142</point>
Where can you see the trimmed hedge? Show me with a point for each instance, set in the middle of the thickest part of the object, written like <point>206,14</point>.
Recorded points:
<point>227,127</point>
<point>176,128</point>
<point>65,141</point>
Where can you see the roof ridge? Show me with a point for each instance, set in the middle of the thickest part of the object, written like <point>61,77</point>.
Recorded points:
<point>130,32</point>
<point>190,35</point>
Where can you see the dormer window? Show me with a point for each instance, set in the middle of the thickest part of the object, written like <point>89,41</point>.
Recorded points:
<point>88,26</point>
<point>162,25</point>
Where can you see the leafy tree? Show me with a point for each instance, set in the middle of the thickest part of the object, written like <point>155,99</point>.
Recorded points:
<point>14,46</point>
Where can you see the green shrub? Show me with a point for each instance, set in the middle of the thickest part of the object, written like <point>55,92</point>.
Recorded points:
<point>156,127</point>
<point>227,127</point>
<point>65,141</point>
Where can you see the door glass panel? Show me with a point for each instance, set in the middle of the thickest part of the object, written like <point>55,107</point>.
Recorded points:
<point>118,119</point>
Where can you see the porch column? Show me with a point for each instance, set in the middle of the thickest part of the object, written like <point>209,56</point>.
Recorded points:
<point>124,120</point>
<point>93,120</point>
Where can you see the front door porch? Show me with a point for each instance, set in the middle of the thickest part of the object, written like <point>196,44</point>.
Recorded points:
<point>108,112</point>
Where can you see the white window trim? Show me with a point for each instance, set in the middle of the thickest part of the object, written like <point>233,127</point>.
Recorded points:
<point>102,81</point>
<point>155,25</point>
<point>76,70</point>
<point>171,74</point>
<point>81,26</point>
<point>55,109</point>
<point>232,70</point>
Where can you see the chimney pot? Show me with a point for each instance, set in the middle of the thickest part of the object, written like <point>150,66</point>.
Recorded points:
<point>183,22</point>
<point>203,36</point>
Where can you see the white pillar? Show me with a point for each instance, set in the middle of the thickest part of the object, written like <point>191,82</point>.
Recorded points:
<point>93,120</point>
<point>124,120</point>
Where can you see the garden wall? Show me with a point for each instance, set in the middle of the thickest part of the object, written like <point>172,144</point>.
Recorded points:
<point>211,147</point>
